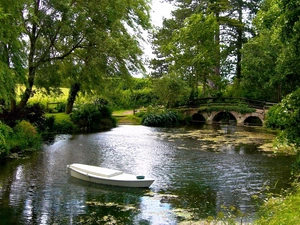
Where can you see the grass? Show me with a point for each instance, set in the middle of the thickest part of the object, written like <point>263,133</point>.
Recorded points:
<point>122,116</point>
<point>59,117</point>
<point>283,210</point>
<point>127,117</point>
<point>43,98</point>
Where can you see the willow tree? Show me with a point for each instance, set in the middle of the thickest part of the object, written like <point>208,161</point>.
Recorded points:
<point>80,32</point>
<point>111,49</point>
<point>12,54</point>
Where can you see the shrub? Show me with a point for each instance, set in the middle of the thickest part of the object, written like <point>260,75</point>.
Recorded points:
<point>275,118</point>
<point>64,127</point>
<point>32,113</point>
<point>169,118</point>
<point>241,108</point>
<point>5,135</point>
<point>286,116</point>
<point>89,116</point>
<point>48,125</point>
<point>61,107</point>
<point>25,137</point>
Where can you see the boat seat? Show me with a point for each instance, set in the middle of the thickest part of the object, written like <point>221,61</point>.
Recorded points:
<point>95,170</point>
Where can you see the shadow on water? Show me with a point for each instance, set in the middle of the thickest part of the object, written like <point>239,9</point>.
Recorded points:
<point>198,171</point>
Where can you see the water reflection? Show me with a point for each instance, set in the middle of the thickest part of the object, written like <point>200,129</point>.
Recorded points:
<point>197,172</point>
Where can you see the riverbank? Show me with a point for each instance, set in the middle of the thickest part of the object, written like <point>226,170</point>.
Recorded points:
<point>283,209</point>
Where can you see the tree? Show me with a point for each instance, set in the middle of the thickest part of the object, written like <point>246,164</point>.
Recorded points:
<point>85,33</point>
<point>194,51</point>
<point>270,64</point>
<point>288,60</point>
<point>259,68</point>
<point>260,78</point>
<point>229,35</point>
<point>112,51</point>
<point>12,55</point>
<point>171,90</point>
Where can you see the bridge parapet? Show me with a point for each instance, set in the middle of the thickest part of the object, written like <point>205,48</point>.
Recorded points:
<point>251,103</point>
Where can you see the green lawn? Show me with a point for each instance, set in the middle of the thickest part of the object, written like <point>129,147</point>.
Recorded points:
<point>59,117</point>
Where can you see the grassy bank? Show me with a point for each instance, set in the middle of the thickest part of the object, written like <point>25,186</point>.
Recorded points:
<point>283,210</point>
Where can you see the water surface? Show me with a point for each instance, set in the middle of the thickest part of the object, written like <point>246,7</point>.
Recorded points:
<point>199,172</point>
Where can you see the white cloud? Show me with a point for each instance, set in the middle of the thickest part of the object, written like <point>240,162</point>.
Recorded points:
<point>159,11</point>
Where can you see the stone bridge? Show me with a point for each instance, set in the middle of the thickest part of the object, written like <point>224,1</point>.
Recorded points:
<point>247,119</point>
<point>257,117</point>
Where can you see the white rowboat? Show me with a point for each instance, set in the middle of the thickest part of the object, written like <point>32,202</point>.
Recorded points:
<point>107,176</point>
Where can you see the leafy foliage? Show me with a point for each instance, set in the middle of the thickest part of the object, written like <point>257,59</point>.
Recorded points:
<point>202,42</point>
<point>286,116</point>
<point>270,59</point>
<point>171,90</point>
<point>62,126</point>
<point>89,116</point>
<point>238,108</point>
<point>275,118</point>
<point>25,137</point>
<point>168,118</point>
<point>5,135</point>
<point>33,113</point>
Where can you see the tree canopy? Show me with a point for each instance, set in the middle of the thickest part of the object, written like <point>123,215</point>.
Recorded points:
<point>270,59</point>
<point>69,41</point>
<point>208,37</point>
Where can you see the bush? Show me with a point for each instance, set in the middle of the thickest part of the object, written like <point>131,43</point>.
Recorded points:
<point>51,124</point>
<point>89,116</point>
<point>241,108</point>
<point>61,107</point>
<point>286,116</point>
<point>275,118</point>
<point>64,127</point>
<point>25,137</point>
<point>32,113</point>
<point>48,125</point>
<point>5,134</point>
<point>169,118</point>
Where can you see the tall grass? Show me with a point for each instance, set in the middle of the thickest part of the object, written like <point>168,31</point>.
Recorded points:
<point>283,210</point>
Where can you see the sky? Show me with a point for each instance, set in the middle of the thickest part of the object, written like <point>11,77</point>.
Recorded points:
<point>159,11</point>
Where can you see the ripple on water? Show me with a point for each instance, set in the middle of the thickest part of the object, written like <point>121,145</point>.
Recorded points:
<point>196,171</point>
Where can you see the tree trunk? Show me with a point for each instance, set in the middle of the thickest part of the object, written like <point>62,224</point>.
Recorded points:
<point>13,104</point>
<point>28,91</point>
<point>75,88</point>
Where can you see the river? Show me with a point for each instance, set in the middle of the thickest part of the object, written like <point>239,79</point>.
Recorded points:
<point>200,172</point>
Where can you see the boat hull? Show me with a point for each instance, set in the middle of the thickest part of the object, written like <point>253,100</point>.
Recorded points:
<point>120,179</point>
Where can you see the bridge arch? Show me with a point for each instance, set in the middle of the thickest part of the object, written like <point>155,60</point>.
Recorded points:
<point>224,117</point>
<point>198,118</point>
<point>253,121</point>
